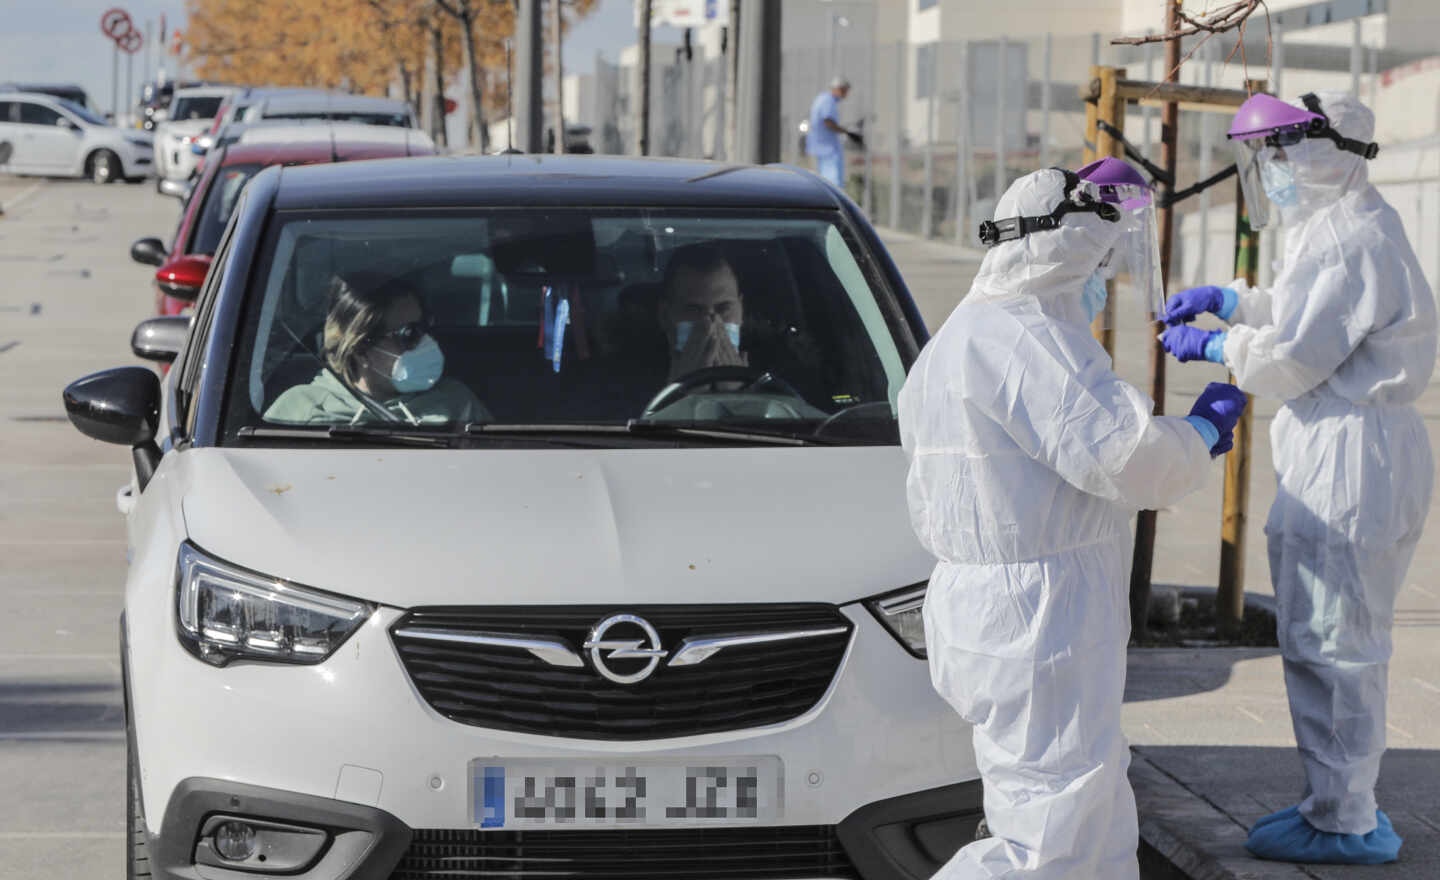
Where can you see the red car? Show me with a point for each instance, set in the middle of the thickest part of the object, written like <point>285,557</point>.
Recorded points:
<point>182,268</point>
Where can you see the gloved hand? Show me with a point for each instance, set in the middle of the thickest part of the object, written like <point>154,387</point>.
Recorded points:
<point>1193,344</point>
<point>1185,305</point>
<point>1220,404</point>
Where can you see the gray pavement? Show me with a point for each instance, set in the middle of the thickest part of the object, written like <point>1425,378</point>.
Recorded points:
<point>67,304</point>
<point>1210,728</point>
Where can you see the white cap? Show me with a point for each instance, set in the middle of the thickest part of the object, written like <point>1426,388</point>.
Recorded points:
<point>839,82</point>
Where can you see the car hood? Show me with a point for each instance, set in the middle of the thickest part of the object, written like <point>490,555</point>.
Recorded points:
<point>424,527</point>
<point>187,127</point>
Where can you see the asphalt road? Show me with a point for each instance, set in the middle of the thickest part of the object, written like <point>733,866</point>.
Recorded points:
<point>69,299</point>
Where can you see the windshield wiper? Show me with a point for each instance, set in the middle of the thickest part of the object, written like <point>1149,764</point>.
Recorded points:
<point>641,428</point>
<point>396,436</point>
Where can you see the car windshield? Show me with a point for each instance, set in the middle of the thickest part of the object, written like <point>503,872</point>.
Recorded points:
<point>219,203</point>
<point>84,113</point>
<point>542,321</point>
<point>193,107</point>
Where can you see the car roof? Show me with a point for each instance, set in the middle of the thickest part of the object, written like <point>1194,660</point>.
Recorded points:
<point>323,130</point>
<point>204,92</point>
<point>334,102</point>
<point>317,151</point>
<point>551,181</point>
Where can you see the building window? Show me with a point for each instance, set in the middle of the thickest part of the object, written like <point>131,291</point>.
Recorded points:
<point>925,70</point>
<point>922,5</point>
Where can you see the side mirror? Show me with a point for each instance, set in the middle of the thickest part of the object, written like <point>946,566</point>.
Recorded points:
<point>160,339</point>
<point>148,251</point>
<point>120,405</point>
<point>183,277</point>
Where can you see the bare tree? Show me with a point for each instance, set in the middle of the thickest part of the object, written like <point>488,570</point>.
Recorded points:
<point>465,12</point>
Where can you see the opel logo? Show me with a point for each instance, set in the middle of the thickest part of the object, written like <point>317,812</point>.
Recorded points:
<point>623,645</point>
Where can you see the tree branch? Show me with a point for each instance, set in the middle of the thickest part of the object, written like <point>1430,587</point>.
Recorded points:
<point>1226,18</point>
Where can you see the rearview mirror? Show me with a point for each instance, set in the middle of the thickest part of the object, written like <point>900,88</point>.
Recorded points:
<point>183,277</point>
<point>160,339</point>
<point>120,405</point>
<point>148,251</point>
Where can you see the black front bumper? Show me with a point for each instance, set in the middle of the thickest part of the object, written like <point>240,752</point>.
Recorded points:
<point>903,838</point>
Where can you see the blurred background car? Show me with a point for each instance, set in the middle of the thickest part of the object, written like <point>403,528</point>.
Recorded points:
<point>69,91</point>
<point>192,111</point>
<point>54,137</point>
<point>181,268</point>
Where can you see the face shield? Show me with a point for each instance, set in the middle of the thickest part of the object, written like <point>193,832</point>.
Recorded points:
<point>1137,253</point>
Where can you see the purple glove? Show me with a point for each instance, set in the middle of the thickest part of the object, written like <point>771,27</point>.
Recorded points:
<point>1185,305</point>
<point>1188,343</point>
<point>1221,405</point>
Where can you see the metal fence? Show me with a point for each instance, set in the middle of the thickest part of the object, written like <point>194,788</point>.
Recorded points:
<point>948,125</point>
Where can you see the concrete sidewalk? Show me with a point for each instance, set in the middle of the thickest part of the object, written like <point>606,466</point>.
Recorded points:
<point>1210,727</point>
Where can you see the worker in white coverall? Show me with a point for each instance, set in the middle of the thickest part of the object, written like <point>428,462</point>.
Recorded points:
<point>1028,457</point>
<point>1346,337</point>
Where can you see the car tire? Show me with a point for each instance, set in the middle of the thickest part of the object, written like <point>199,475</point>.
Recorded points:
<point>103,166</point>
<point>137,861</point>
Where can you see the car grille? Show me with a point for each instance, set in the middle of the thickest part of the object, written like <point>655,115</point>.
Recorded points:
<point>800,851</point>
<point>512,689</point>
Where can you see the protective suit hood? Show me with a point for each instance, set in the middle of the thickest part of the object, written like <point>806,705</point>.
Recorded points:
<point>1323,172</point>
<point>1051,265</point>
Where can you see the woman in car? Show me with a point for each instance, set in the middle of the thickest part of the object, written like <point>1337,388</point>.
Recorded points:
<point>379,358</point>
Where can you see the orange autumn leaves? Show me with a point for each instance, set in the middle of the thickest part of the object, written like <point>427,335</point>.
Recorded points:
<point>359,45</point>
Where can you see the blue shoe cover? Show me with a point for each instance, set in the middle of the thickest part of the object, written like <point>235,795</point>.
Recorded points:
<point>1286,837</point>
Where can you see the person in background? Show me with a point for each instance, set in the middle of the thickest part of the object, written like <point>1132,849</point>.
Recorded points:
<point>822,141</point>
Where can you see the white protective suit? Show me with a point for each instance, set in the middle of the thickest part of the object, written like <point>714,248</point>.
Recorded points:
<point>1346,337</point>
<point>1028,456</point>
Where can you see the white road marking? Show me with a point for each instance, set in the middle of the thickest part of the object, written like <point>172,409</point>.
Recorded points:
<point>1425,684</point>
<point>1400,730</point>
<point>1248,714</point>
<point>61,835</point>
<point>24,194</point>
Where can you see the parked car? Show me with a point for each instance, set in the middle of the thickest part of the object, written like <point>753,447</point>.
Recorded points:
<point>191,113</point>
<point>183,265</point>
<point>235,106</point>
<point>155,98</point>
<point>569,615</point>
<point>52,137</point>
<point>334,106</point>
<point>69,91</point>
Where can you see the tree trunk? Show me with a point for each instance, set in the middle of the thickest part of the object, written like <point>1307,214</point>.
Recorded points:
<point>479,132</point>
<point>559,80</point>
<point>437,50</point>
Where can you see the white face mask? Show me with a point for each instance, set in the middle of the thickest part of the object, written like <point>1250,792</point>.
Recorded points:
<point>1278,178</point>
<point>683,329</point>
<point>419,368</point>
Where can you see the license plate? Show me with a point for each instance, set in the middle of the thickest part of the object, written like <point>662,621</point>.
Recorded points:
<point>662,791</point>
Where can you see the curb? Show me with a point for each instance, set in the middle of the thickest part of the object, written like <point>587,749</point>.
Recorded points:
<point>1185,837</point>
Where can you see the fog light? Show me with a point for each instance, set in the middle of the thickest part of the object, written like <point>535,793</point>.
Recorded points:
<point>235,841</point>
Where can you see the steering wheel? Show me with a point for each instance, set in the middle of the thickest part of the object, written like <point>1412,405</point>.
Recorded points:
<point>753,379</point>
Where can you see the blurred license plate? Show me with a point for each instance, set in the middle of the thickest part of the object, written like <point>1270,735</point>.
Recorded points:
<point>679,791</point>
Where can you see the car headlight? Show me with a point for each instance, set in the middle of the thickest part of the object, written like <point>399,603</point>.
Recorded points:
<point>902,612</point>
<point>225,613</point>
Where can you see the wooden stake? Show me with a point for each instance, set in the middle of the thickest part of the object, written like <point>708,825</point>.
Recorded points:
<point>1144,559</point>
<point>1230,595</point>
<point>1108,107</point>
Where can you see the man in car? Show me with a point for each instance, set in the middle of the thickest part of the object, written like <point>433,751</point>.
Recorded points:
<point>701,310</point>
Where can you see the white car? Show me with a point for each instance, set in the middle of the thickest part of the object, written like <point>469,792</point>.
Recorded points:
<point>53,137</point>
<point>567,607</point>
<point>334,106</point>
<point>191,113</point>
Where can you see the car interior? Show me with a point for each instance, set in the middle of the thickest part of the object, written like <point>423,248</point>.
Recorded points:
<point>491,307</point>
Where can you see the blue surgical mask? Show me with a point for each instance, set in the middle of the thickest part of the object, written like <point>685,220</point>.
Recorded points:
<point>683,329</point>
<point>419,368</point>
<point>1278,178</point>
<point>1094,295</point>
